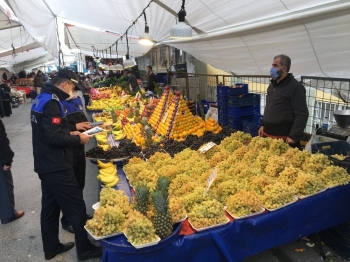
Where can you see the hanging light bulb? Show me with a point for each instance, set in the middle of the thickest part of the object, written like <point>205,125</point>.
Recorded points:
<point>181,29</point>
<point>128,62</point>
<point>117,66</point>
<point>146,38</point>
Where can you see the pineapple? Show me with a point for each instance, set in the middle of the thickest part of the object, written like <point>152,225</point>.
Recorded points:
<point>162,221</point>
<point>163,185</point>
<point>142,196</point>
<point>149,140</point>
<point>137,118</point>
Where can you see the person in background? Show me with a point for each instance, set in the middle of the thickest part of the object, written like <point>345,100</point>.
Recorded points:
<point>86,90</point>
<point>132,81</point>
<point>2,111</point>
<point>151,79</point>
<point>6,99</point>
<point>39,80</point>
<point>53,161</point>
<point>13,79</point>
<point>4,77</point>
<point>118,74</point>
<point>8,212</point>
<point>286,111</point>
<point>77,122</point>
<point>22,74</point>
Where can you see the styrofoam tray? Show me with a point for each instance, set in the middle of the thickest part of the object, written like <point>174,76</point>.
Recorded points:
<point>96,206</point>
<point>144,245</point>
<point>274,209</point>
<point>302,197</point>
<point>103,237</point>
<point>181,220</point>
<point>330,187</point>
<point>262,210</point>
<point>210,227</point>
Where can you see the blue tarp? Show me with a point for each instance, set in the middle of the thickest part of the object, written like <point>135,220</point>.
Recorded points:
<point>242,238</point>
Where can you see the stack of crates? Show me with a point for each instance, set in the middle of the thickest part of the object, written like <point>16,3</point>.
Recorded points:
<point>236,105</point>
<point>254,126</point>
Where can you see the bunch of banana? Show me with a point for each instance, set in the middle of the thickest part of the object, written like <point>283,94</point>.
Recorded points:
<point>119,135</point>
<point>101,138</point>
<point>105,147</point>
<point>107,174</point>
<point>117,126</point>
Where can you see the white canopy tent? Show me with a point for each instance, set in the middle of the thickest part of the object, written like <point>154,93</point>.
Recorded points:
<point>237,36</point>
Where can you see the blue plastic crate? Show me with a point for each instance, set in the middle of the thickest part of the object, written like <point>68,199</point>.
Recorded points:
<point>334,147</point>
<point>237,122</point>
<point>250,128</point>
<point>222,111</point>
<point>257,109</point>
<point>238,89</point>
<point>250,99</point>
<point>206,105</point>
<point>258,119</point>
<point>240,111</point>
<point>222,100</point>
<point>221,90</point>
<point>222,108</point>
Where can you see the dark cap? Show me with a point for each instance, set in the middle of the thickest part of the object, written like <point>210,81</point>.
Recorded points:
<point>69,75</point>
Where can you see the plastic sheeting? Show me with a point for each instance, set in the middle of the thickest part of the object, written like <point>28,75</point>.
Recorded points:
<point>238,36</point>
<point>243,238</point>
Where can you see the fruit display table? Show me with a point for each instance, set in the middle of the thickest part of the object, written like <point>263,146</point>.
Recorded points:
<point>240,238</point>
<point>24,88</point>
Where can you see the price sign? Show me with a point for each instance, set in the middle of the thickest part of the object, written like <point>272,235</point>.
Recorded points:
<point>211,179</point>
<point>110,139</point>
<point>206,147</point>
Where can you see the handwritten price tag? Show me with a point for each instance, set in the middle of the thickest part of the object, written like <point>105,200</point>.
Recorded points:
<point>206,147</point>
<point>211,179</point>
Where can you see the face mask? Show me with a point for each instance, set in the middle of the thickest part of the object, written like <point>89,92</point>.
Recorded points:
<point>274,73</point>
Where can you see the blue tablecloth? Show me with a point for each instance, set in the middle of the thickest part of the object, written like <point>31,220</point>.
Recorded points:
<point>242,238</point>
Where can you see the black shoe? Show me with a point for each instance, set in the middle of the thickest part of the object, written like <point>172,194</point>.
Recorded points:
<point>61,249</point>
<point>68,227</point>
<point>93,252</point>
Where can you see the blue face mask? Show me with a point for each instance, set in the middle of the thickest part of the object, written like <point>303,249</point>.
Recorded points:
<point>274,73</point>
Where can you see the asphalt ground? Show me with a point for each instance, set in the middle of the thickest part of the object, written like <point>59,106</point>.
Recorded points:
<point>21,240</point>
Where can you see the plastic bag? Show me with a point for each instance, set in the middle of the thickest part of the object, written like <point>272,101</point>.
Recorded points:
<point>212,113</point>
<point>93,91</point>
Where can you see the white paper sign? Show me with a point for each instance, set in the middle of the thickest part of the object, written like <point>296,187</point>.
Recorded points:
<point>94,131</point>
<point>206,147</point>
<point>211,179</point>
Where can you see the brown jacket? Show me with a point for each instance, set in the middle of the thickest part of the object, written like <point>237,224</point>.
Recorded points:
<point>39,81</point>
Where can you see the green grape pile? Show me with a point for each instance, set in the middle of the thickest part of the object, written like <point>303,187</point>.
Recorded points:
<point>258,183</point>
<point>241,137</point>
<point>289,175</point>
<point>260,143</point>
<point>208,213</point>
<point>240,152</point>
<point>107,220</point>
<point>276,195</point>
<point>307,184</point>
<point>195,197</point>
<point>230,187</point>
<point>278,146</point>
<point>316,163</point>
<point>262,159</point>
<point>335,176</point>
<point>139,230</point>
<point>218,157</point>
<point>275,165</point>
<point>177,208</point>
<point>230,145</point>
<point>243,203</point>
<point>181,185</point>
<point>112,197</point>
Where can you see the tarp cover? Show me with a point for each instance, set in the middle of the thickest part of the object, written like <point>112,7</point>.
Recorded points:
<point>238,36</point>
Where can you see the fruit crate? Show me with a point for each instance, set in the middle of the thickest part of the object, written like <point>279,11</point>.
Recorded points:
<point>250,99</point>
<point>222,100</point>
<point>240,111</point>
<point>222,108</point>
<point>337,240</point>
<point>257,109</point>
<point>237,122</point>
<point>237,89</point>
<point>258,119</point>
<point>222,119</point>
<point>250,128</point>
<point>334,147</point>
<point>206,105</point>
<point>222,111</point>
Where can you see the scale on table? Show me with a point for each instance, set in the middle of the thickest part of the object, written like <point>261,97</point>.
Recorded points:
<point>339,131</point>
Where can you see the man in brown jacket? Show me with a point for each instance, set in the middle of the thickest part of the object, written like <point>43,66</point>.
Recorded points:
<point>39,80</point>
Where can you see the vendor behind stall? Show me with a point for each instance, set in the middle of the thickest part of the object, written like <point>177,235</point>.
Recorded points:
<point>286,111</point>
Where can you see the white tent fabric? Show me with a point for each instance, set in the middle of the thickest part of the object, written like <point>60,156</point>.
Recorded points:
<point>238,36</point>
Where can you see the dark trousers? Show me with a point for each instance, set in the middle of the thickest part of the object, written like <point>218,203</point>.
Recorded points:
<point>87,100</point>
<point>7,107</point>
<point>7,198</point>
<point>79,167</point>
<point>60,191</point>
<point>2,110</point>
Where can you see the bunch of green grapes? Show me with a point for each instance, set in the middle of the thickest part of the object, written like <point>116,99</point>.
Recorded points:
<point>278,146</point>
<point>230,145</point>
<point>170,171</point>
<point>276,195</point>
<point>289,175</point>
<point>243,203</point>
<point>228,188</point>
<point>139,230</point>
<point>218,157</point>
<point>250,156</point>
<point>262,159</point>
<point>135,160</point>
<point>242,137</point>
<point>243,170</point>
<point>258,183</point>
<point>307,184</point>
<point>207,213</point>
<point>260,143</point>
<point>159,160</point>
<point>212,151</point>
<point>107,220</point>
<point>146,176</point>
<point>334,176</point>
<point>196,196</point>
<point>239,153</point>
<point>133,169</point>
<point>177,208</point>
<point>185,154</point>
<point>181,185</point>
<point>111,197</point>
<point>296,157</point>
<point>275,165</point>
<point>316,163</point>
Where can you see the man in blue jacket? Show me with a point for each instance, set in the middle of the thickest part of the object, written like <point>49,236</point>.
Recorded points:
<point>53,161</point>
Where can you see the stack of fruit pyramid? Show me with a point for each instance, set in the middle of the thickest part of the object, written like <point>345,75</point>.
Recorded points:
<point>161,107</point>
